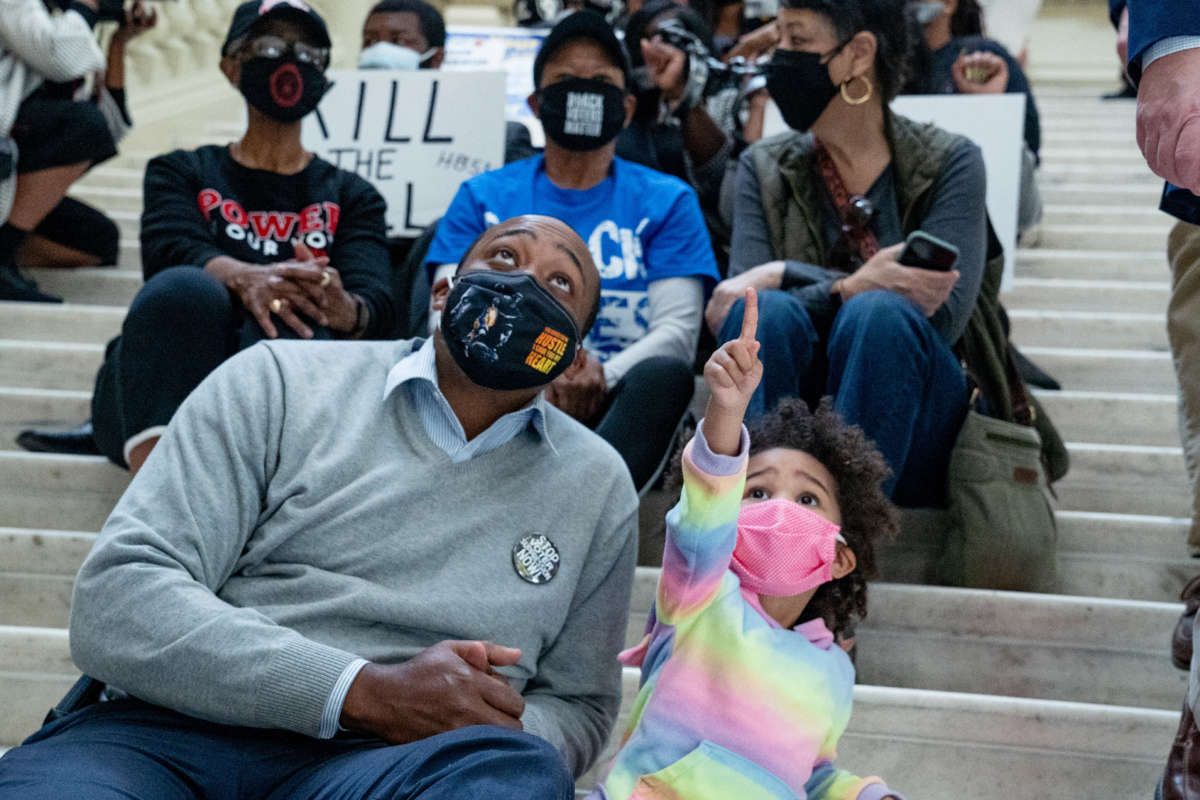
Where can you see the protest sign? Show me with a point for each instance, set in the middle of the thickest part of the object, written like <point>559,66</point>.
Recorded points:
<point>995,122</point>
<point>414,135</point>
<point>511,50</point>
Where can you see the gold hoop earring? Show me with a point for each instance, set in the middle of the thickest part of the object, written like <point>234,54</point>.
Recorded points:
<point>858,101</point>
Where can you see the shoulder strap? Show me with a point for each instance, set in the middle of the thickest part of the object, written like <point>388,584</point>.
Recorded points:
<point>868,245</point>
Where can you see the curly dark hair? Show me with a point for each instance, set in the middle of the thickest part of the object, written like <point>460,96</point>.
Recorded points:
<point>967,19</point>
<point>859,471</point>
<point>884,18</point>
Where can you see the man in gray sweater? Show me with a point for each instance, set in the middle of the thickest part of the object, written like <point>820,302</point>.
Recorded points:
<point>361,569</point>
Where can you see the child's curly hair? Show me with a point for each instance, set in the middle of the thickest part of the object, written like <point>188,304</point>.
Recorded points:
<point>859,470</point>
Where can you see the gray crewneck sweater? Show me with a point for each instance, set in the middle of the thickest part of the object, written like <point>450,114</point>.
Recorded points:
<point>292,519</point>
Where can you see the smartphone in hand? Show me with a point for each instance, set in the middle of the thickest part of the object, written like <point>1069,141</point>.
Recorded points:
<point>926,251</point>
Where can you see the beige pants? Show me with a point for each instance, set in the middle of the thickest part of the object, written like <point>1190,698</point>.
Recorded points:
<point>1183,329</point>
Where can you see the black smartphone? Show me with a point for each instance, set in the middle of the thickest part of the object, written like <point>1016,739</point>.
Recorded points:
<point>928,252</point>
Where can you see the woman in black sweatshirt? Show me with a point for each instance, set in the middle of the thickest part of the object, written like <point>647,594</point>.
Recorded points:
<point>257,239</point>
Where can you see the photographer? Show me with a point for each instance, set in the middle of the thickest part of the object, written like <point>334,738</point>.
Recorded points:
<point>73,234</point>
<point>46,143</point>
<point>687,120</point>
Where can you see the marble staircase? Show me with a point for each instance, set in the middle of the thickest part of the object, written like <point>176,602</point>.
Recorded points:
<point>963,692</point>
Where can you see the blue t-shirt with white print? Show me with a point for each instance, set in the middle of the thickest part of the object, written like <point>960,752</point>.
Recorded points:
<point>640,226</point>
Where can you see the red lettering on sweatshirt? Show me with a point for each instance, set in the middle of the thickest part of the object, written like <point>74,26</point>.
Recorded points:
<point>208,200</point>
<point>277,225</point>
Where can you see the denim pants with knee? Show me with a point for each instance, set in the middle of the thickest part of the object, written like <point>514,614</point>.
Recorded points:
<point>130,750</point>
<point>887,369</point>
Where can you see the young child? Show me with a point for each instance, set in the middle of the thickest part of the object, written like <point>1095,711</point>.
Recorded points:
<point>744,693</point>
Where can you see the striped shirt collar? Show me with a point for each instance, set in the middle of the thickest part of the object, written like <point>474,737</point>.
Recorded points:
<point>421,366</point>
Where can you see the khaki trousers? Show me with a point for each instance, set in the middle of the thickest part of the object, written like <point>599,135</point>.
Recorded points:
<point>1183,330</point>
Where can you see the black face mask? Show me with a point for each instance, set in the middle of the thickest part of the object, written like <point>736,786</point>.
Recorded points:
<point>506,331</point>
<point>284,89</point>
<point>582,113</point>
<point>800,85</point>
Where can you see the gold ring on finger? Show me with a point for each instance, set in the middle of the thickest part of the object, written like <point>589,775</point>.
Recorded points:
<point>277,305</point>
<point>325,278</point>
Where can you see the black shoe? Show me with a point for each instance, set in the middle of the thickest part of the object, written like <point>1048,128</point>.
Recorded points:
<point>15,286</point>
<point>1033,374</point>
<point>77,441</point>
<point>1125,93</point>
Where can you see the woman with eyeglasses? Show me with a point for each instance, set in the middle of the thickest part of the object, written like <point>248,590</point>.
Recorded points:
<point>259,239</point>
<point>820,214</point>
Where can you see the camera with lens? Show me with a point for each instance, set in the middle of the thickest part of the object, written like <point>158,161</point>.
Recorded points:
<point>705,76</point>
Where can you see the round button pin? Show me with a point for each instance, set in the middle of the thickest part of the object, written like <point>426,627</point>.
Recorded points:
<point>535,558</point>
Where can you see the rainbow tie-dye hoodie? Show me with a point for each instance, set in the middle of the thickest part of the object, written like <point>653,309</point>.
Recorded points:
<point>732,706</point>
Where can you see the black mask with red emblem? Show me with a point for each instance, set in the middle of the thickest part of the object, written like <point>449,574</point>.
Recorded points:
<point>285,89</point>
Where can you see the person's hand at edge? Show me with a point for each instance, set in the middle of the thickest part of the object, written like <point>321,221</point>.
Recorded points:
<point>1168,118</point>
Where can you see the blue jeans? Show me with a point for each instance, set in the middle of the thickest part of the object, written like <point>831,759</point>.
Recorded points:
<point>130,750</point>
<point>888,372</point>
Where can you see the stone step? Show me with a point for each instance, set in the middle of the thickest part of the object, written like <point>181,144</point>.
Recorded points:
<point>1126,236</point>
<point>1101,190</point>
<point>1133,174</point>
<point>1095,370</point>
<point>1084,264</point>
<point>1117,556</point>
<point>1098,155</point>
<point>40,408</point>
<point>110,198</point>
<point>1126,479</point>
<point>49,365</point>
<point>1104,329</point>
<point>943,745</point>
<point>918,740</point>
<point>1074,294</point>
<point>96,286</point>
<point>72,493</point>
<point>1097,138</point>
<point>83,324</point>
<point>1106,214</point>
<point>1050,646</point>
<point>1113,417</point>
<point>1080,649</point>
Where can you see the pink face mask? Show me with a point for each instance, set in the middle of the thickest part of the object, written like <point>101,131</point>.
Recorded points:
<point>784,548</point>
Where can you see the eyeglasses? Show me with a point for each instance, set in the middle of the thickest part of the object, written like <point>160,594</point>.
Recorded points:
<point>276,47</point>
<point>846,253</point>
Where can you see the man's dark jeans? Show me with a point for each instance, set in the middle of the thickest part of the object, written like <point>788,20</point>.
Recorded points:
<point>127,749</point>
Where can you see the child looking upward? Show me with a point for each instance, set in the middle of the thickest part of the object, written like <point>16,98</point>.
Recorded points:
<point>744,693</point>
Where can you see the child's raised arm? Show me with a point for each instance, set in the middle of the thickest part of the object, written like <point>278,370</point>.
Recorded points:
<point>732,374</point>
<point>702,527</point>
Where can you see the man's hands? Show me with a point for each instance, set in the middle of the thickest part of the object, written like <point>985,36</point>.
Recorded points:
<point>448,686</point>
<point>729,291</point>
<point>928,288</point>
<point>1168,118</point>
<point>580,391</point>
<point>980,72</point>
<point>732,374</point>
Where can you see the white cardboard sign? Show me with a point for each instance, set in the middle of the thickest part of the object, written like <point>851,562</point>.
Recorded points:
<point>414,135</point>
<point>995,122</point>
<point>511,50</point>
